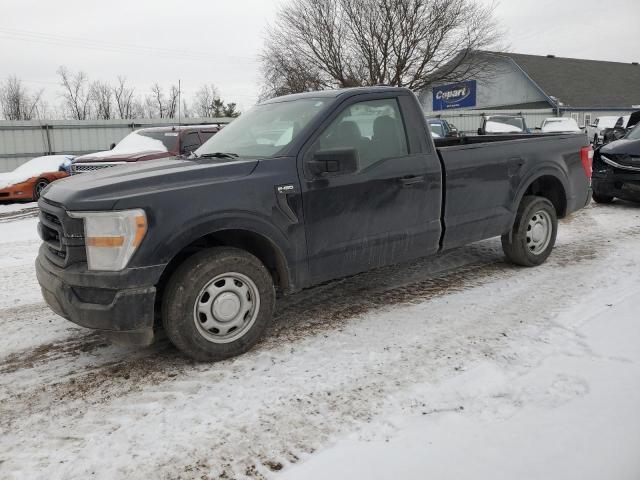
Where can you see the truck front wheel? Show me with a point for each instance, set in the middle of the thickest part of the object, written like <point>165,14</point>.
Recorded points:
<point>218,303</point>
<point>533,236</point>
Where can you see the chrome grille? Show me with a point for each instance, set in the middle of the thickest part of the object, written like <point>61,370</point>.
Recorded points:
<point>92,167</point>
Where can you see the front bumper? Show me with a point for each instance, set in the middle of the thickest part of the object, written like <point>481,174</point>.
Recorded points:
<point>22,191</point>
<point>619,185</point>
<point>118,304</point>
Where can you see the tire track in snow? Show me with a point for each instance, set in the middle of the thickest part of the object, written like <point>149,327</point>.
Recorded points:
<point>122,373</point>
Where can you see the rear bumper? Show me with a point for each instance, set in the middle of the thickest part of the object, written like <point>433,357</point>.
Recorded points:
<point>118,304</point>
<point>623,186</point>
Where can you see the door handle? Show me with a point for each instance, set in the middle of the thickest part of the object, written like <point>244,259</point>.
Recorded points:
<point>411,180</point>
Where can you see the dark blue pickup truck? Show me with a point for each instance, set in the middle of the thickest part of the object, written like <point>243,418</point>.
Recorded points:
<point>299,190</point>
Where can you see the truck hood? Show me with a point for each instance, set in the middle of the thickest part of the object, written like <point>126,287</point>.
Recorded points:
<point>625,153</point>
<point>114,156</point>
<point>101,190</point>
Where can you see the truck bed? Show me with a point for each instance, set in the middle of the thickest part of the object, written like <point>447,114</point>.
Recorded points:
<point>483,175</point>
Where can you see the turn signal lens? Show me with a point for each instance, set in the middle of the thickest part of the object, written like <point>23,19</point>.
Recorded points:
<point>111,238</point>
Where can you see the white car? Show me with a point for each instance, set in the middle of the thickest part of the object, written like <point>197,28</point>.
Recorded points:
<point>560,125</point>
<point>594,131</point>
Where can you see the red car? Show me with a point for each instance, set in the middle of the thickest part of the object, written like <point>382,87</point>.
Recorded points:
<point>28,180</point>
<point>147,144</point>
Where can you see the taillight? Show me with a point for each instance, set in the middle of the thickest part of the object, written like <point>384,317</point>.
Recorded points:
<point>586,155</point>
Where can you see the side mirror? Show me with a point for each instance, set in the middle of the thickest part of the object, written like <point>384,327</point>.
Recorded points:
<point>480,131</point>
<point>334,162</point>
<point>453,134</point>
<point>113,145</point>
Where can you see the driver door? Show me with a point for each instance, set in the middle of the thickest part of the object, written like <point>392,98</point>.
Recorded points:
<point>385,211</point>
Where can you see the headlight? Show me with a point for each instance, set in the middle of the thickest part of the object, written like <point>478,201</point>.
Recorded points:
<point>111,238</point>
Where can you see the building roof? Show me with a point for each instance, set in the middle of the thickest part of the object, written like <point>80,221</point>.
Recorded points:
<point>583,83</point>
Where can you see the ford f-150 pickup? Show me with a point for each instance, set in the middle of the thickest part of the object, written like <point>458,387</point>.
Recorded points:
<point>300,190</point>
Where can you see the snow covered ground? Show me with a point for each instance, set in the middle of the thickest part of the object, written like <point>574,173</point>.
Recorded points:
<point>459,366</point>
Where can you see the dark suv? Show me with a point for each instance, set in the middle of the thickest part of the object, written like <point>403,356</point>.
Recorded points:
<point>147,144</point>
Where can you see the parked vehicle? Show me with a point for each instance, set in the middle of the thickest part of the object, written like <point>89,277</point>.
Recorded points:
<point>503,124</point>
<point>623,126</point>
<point>616,169</point>
<point>596,129</point>
<point>147,144</point>
<point>440,128</point>
<point>29,180</point>
<point>300,190</point>
<point>560,125</point>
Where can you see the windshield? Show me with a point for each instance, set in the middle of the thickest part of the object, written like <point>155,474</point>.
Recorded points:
<point>437,129</point>
<point>504,125</point>
<point>634,134</point>
<point>142,141</point>
<point>264,130</point>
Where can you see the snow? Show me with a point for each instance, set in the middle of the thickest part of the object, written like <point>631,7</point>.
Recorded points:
<point>16,207</point>
<point>360,378</point>
<point>606,122</point>
<point>134,143</point>
<point>572,416</point>
<point>33,168</point>
<point>556,125</point>
<point>499,127</point>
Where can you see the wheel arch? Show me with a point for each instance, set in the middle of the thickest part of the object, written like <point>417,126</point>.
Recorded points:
<point>549,184</point>
<point>233,234</point>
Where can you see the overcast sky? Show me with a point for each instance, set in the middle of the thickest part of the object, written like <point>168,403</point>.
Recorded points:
<point>216,41</point>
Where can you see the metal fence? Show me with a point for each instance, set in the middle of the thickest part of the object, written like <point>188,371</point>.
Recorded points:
<point>470,120</point>
<point>23,140</point>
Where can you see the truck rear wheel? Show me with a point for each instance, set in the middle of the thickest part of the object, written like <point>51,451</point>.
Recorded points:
<point>533,236</point>
<point>218,303</point>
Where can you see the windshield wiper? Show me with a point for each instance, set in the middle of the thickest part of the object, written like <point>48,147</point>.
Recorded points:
<point>218,155</point>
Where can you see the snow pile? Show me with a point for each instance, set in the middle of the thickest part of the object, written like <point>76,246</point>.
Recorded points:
<point>33,168</point>
<point>134,143</point>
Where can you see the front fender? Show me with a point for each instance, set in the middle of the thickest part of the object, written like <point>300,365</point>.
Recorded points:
<point>195,228</point>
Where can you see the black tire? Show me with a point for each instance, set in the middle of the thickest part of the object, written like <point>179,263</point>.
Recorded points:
<point>602,198</point>
<point>185,289</point>
<point>517,244</point>
<point>40,185</point>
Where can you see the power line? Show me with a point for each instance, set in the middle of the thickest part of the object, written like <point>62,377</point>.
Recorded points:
<point>114,47</point>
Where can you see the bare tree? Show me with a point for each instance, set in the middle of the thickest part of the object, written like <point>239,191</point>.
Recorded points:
<point>317,44</point>
<point>172,102</point>
<point>209,104</point>
<point>124,98</point>
<point>76,93</point>
<point>156,102</point>
<point>16,101</point>
<point>204,100</point>
<point>101,96</point>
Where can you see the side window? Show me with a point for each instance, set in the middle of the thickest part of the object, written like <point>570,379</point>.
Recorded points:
<point>373,128</point>
<point>189,142</point>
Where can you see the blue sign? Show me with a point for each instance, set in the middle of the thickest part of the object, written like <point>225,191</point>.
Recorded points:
<point>455,95</point>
